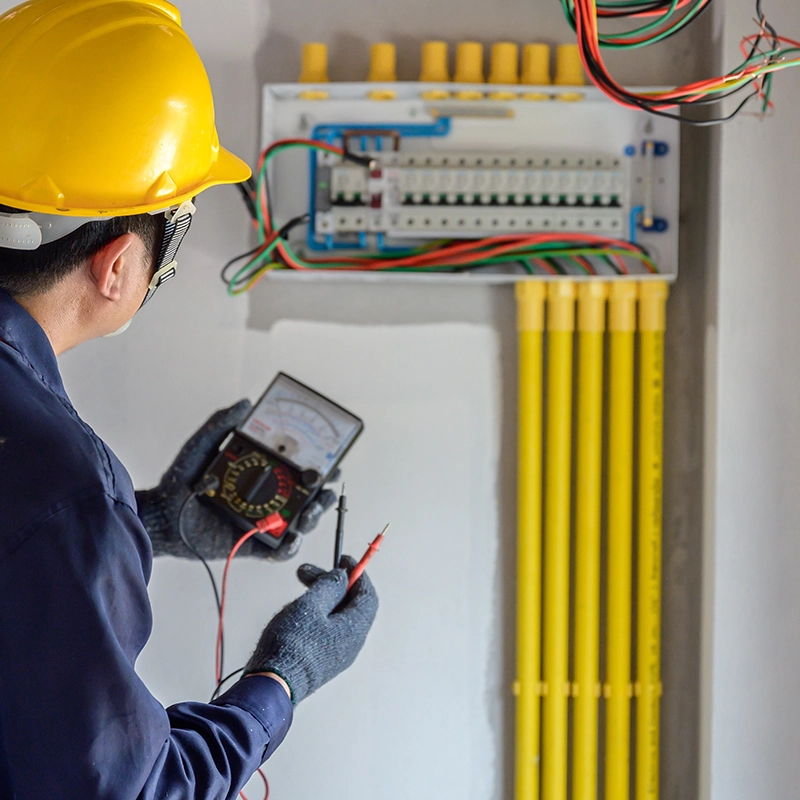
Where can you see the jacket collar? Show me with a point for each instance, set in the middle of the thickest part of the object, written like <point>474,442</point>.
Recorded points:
<point>20,331</point>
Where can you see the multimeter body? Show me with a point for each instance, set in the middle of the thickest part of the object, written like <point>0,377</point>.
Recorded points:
<point>273,464</point>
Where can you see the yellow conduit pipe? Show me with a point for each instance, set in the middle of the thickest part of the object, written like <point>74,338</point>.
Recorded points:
<point>652,322</point>
<point>586,689</point>
<point>556,688</point>
<point>617,690</point>
<point>527,687</point>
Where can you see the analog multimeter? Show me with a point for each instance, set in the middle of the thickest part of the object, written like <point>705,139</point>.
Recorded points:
<point>279,457</point>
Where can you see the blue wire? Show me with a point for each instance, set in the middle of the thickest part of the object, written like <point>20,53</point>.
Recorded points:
<point>635,211</point>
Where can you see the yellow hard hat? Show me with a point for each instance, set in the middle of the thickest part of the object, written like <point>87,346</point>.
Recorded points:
<point>107,110</point>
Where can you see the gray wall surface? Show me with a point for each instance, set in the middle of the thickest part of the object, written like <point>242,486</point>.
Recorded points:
<point>432,369</point>
<point>752,738</point>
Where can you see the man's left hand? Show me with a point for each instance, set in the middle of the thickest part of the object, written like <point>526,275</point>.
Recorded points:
<point>209,533</point>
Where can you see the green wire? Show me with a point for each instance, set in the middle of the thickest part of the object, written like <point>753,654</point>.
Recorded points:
<point>262,176</point>
<point>604,39</point>
<point>249,265</point>
<point>546,252</point>
<point>549,252</point>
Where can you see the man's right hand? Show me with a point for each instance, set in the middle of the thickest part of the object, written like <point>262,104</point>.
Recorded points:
<point>319,635</point>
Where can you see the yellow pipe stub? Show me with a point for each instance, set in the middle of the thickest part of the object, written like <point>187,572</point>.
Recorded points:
<point>434,63</point>
<point>469,68</point>
<point>592,306</point>
<point>569,71</point>
<point>382,63</point>
<point>314,69</point>
<point>535,69</point>
<point>434,69</point>
<point>653,305</point>
<point>622,306</point>
<point>530,305</point>
<point>504,68</point>
<point>469,63</point>
<point>561,306</point>
<point>383,69</point>
<point>535,64</point>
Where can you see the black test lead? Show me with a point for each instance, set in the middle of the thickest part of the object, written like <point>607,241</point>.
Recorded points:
<point>339,543</point>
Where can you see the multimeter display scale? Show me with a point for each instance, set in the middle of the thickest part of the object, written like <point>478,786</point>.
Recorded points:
<point>274,463</point>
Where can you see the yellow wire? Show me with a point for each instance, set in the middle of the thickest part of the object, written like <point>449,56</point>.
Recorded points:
<point>257,277</point>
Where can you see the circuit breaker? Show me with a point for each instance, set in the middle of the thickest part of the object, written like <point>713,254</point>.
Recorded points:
<point>449,169</point>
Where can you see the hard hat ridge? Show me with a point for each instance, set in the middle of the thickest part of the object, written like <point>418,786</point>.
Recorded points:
<point>114,115</point>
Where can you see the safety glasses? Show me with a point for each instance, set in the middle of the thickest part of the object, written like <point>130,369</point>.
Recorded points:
<point>178,222</point>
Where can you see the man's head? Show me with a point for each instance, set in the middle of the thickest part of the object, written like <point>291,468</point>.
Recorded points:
<point>32,272</point>
<point>116,124</point>
<point>92,280</point>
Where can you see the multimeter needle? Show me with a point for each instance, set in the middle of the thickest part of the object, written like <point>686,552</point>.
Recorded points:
<point>339,542</point>
<point>366,558</point>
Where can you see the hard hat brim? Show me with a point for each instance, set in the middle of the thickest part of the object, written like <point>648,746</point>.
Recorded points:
<point>227,169</point>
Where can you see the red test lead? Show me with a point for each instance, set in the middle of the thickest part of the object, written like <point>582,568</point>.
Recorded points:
<point>365,559</point>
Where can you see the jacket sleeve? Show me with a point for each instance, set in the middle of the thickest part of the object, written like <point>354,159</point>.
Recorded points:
<point>76,720</point>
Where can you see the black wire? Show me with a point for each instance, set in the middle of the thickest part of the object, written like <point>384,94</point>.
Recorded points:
<point>247,191</point>
<point>224,681</point>
<point>233,261</point>
<point>194,551</point>
<point>645,104</point>
<point>704,123</point>
<point>655,6</point>
<point>599,77</point>
<point>283,233</point>
<point>293,223</point>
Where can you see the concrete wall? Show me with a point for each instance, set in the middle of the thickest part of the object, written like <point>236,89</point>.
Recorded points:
<point>753,573</point>
<point>426,710</point>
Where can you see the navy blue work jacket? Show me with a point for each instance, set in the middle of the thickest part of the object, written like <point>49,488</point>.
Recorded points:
<point>76,722</point>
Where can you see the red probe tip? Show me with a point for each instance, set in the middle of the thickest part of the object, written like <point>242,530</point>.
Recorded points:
<point>365,559</point>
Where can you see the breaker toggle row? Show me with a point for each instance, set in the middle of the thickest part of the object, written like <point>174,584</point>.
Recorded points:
<point>472,194</point>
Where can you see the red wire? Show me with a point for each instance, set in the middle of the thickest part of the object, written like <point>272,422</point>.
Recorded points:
<point>586,20</point>
<point>636,14</point>
<point>753,36</point>
<point>234,550</point>
<point>646,14</point>
<point>545,266</point>
<point>621,264</point>
<point>331,148</point>
<point>266,786</point>
<point>463,253</point>
<point>586,265</point>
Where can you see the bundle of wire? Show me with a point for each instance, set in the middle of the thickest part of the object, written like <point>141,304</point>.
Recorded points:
<point>553,253</point>
<point>764,54</point>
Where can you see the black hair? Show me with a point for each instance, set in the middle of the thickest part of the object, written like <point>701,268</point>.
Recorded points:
<point>31,272</point>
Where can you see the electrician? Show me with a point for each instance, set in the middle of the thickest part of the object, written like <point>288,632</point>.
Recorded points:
<point>107,135</point>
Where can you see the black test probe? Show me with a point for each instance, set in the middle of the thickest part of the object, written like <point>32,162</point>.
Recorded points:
<point>341,510</point>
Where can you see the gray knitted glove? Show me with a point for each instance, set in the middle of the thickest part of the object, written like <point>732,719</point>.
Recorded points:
<point>209,533</point>
<point>315,638</point>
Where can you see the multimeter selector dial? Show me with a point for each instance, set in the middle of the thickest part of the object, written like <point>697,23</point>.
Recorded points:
<point>256,486</point>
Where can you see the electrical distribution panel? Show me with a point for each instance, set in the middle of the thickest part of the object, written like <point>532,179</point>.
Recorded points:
<point>449,168</point>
